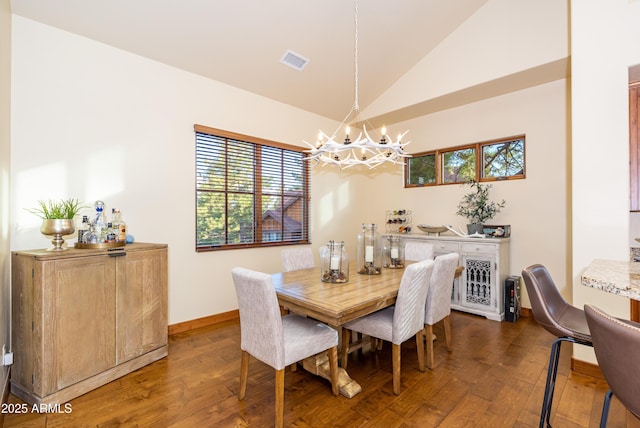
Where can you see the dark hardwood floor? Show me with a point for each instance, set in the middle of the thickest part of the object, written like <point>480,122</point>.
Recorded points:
<point>494,378</point>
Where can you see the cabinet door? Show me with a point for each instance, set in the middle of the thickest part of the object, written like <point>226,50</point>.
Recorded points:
<point>478,284</point>
<point>77,321</point>
<point>142,303</point>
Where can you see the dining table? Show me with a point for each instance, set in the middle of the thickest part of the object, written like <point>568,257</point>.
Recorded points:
<point>303,292</point>
<point>619,277</point>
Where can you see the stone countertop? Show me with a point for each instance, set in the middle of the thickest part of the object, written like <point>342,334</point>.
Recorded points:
<point>614,276</point>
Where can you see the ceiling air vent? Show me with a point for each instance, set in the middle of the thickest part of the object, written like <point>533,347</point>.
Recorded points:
<point>294,60</point>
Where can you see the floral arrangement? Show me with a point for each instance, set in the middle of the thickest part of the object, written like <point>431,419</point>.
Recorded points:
<point>476,205</point>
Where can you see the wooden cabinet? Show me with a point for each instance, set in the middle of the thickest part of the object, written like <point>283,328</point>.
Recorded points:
<point>480,288</point>
<point>82,318</point>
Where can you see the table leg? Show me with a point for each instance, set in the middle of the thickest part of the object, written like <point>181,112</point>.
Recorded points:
<point>319,365</point>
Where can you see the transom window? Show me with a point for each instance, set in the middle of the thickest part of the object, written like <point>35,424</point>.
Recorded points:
<point>501,159</point>
<point>249,192</point>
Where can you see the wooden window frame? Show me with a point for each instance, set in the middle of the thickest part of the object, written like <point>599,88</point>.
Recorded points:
<point>257,191</point>
<point>479,167</point>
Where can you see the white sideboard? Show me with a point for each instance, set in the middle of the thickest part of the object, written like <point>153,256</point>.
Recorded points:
<point>480,288</point>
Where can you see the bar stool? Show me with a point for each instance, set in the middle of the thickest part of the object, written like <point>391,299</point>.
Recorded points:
<point>614,341</point>
<point>559,318</point>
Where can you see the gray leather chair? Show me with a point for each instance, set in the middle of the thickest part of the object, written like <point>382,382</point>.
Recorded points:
<point>276,340</point>
<point>616,343</point>
<point>559,318</point>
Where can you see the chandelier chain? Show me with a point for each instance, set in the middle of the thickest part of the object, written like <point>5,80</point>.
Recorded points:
<point>361,149</point>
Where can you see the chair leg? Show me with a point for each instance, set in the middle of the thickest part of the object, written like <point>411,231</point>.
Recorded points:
<point>428,332</point>
<point>447,332</point>
<point>373,343</point>
<point>332,353</point>
<point>419,345</point>
<point>280,398</point>
<point>552,371</point>
<point>395,356</point>
<point>605,409</point>
<point>244,372</point>
<point>346,338</point>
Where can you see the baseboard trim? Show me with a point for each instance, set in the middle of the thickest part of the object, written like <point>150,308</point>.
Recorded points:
<point>203,322</point>
<point>586,369</point>
<point>182,327</point>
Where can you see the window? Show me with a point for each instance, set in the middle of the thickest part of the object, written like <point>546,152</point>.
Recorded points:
<point>501,159</point>
<point>249,192</point>
<point>421,170</point>
<point>459,165</point>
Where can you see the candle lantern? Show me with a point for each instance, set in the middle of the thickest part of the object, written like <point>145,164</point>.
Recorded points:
<point>393,253</point>
<point>369,250</point>
<point>335,263</point>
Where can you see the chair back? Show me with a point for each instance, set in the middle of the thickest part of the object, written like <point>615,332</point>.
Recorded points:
<point>297,258</point>
<point>408,316</point>
<point>438,305</point>
<point>418,251</point>
<point>549,308</point>
<point>261,332</point>
<point>616,343</point>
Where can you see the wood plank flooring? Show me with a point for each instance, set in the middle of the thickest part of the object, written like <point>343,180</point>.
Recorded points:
<point>493,378</point>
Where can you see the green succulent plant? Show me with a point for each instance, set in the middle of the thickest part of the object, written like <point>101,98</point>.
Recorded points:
<point>62,209</point>
<point>476,205</point>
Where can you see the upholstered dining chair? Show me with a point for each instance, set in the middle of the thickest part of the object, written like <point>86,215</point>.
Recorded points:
<point>616,343</point>
<point>398,323</point>
<point>417,251</point>
<point>559,318</point>
<point>276,340</point>
<point>438,305</point>
<point>297,258</point>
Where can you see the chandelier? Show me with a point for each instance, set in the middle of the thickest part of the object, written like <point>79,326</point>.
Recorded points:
<point>364,150</point>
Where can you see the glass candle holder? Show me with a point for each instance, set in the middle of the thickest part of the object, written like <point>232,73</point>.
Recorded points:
<point>369,250</point>
<point>393,253</point>
<point>335,263</point>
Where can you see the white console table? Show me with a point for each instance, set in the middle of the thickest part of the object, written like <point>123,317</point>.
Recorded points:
<point>480,288</point>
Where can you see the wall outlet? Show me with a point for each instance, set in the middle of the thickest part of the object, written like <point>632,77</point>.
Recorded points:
<point>7,357</point>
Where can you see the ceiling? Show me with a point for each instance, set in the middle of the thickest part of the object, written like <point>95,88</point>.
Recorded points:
<point>241,42</point>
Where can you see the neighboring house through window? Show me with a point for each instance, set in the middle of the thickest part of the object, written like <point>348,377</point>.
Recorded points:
<point>249,191</point>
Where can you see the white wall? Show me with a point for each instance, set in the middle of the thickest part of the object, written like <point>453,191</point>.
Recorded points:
<point>502,38</point>
<point>5,150</point>
<point>93,122</point>
<point>537,207</point>
<point>600,136</point>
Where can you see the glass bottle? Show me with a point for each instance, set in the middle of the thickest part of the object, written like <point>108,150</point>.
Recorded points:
<point>100,222</point>
<point>83,229</point>
<point>334,263</point>
<point>369,250</point>
<point>393,250</point>
<point>110,235</point>
<point>90,236</point>
<point>119,226</point>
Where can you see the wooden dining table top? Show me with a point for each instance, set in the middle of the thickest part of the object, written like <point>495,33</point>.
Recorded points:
<point>303,292</point>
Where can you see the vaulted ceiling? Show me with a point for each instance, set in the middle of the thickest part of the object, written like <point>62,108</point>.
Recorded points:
<point>241,42</point>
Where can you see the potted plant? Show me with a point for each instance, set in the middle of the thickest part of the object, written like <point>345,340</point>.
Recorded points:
<point>57,219</point>
<point>477,207</point>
